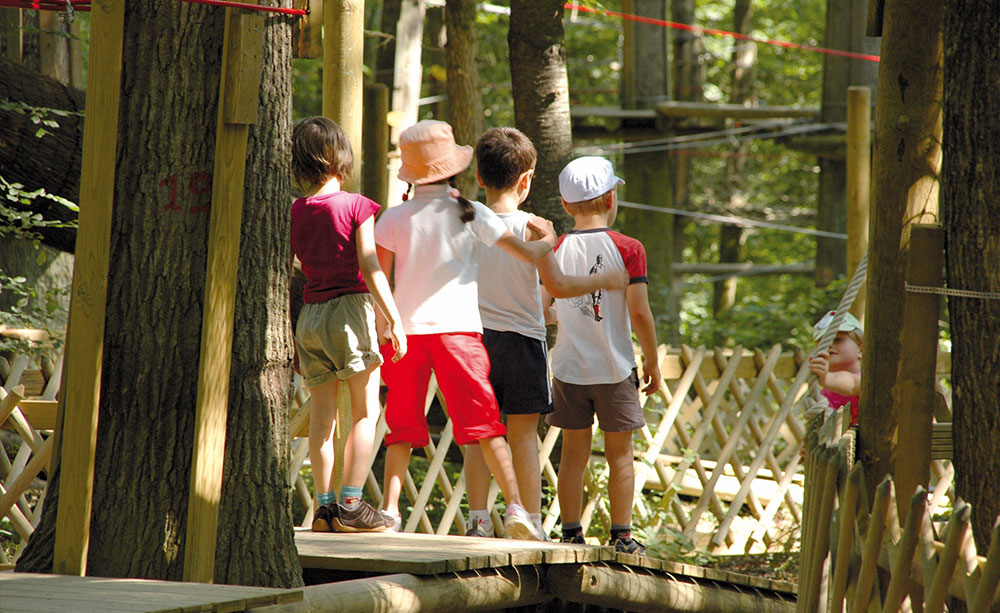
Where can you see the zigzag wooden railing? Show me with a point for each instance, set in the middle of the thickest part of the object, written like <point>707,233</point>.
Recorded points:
<point>845,546</point>
<point>723,435</point>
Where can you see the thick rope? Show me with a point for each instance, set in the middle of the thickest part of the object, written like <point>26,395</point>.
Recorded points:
<point>816,403</point>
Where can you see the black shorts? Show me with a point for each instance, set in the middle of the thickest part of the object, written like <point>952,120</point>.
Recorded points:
<point>519,372</point>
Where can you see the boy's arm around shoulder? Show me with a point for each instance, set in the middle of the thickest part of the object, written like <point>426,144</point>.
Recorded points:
<point>644,326</point>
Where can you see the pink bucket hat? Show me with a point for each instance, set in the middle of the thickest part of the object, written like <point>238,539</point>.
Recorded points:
<point>428,153</point>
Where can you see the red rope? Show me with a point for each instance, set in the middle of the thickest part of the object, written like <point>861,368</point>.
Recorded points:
<point>714,32</point>
<point>84,5</point>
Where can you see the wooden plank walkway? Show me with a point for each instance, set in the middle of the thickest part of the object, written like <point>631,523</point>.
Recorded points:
<point>29,592</point>
<point>428,554</point>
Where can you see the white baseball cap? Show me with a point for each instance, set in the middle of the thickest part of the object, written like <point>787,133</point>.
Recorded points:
<point>849,324</point>
<point>587,178</point>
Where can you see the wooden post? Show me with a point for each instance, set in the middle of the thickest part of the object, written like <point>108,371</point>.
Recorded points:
<point>13,33</point>
<point>238,91</point>
<point>81,395</point>
<point>406,86</point>
<point>343,71</point>
<point>913,395</point>
<point>375,145</point>
<point>859,180</point>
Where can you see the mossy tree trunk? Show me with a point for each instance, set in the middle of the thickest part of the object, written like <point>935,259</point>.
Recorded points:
<point>170,85</point>
<point>970,198</point>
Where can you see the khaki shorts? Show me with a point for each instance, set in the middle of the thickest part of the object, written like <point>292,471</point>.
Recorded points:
<point>615,404</point>
<point>336,339</point>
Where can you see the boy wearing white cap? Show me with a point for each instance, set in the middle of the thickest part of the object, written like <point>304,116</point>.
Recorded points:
<point>838,370</point>
<point>593,362</point>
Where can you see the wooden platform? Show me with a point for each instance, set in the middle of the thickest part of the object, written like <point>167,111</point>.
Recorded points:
<point>36,592</point>
<point>426,554</point>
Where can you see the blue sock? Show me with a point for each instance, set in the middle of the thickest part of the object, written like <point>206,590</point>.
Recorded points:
<point>325,498</point>
<point>351,496</point>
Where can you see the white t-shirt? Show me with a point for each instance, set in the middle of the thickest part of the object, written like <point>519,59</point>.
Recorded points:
<point>510,299</point>
<point>435,266</point>
<point>594,343</point>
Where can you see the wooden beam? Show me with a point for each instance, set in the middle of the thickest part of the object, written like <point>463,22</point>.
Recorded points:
<point>713,110</point>
<point>743,268</point>
<point>85,338</point>
<point>914,394</point>
<point>859,181</point>
<point>375,147</point>
<point>243,38</point>
<point>343,72</point>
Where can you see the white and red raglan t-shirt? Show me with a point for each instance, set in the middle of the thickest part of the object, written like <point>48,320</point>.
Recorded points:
<point>594,343</point>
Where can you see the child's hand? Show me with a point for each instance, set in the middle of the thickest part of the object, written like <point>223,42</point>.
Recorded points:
<point>613,279</point>
<point>819,365</point>
<point>650,376</point>
<point>542,229</point>
<point>398,337</point>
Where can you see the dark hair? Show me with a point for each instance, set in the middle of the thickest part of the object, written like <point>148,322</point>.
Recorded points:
<point>468,212</point>
<point>503,155</point>
<point>320,150</point>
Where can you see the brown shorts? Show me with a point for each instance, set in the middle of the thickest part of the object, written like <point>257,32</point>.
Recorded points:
<point>336,338</point>
<point>615,404</point>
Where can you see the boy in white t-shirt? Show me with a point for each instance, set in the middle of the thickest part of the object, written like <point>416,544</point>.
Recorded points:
<point>510,305</point>
<point>593,362</point>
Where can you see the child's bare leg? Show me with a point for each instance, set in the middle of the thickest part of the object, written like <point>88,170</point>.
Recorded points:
<point>621,478</point>
<point>572,463</point>
<point>365,410</point>
<point>477,478</point>
<point>522,435</point>
<point>498,459</point>
<point>322,418</point>
<point>397,460</point>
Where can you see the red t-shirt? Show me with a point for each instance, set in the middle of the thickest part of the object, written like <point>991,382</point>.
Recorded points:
<point>323,238</point>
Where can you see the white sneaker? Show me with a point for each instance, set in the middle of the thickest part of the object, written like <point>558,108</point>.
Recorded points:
<point>518,524</point>
<point>393,523</point>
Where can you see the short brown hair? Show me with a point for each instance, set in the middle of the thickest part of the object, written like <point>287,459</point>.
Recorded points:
<point>503,155</point>
<point>320,150</point>
<point>592,206</point>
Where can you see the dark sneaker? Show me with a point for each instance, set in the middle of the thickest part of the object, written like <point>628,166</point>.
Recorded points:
<point>363,518</point>
<point>324,518</point>
<point>574,537</point>
<point>627,544</point>
<point>476,529</point>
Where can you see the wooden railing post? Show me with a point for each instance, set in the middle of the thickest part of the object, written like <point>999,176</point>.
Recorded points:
<point>914,392</point>
<point>238,93</point>
<point>859,180</point>
<point>79,403</point>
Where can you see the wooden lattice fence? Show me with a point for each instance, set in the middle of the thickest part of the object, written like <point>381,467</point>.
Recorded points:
<point>718,462</point>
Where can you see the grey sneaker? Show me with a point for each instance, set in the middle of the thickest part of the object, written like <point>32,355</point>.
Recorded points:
<point>476,529</point>
<point>393,523</point>
<point>363,518</point>
<point>624,543</point>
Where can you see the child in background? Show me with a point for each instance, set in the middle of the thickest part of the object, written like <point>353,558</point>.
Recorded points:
<point>429,242</point>
<point>593,362</point>
<point>838,370</point>
<point>333,235</point>
<point>510,305</point>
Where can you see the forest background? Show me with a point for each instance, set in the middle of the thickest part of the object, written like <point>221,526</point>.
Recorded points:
<point>778,185</point>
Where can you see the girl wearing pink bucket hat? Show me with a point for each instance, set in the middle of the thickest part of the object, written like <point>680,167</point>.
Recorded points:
<point>428,242</point>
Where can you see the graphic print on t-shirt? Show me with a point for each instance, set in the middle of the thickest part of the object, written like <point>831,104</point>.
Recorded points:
<point>590,304</point>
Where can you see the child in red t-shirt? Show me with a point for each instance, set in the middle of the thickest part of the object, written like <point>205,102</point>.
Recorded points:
<point>333,235</point>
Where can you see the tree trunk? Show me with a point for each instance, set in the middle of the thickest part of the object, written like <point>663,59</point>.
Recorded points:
<point>687,83</point>
<point>465,101</point>
<point>51,162</point>
<point>541,97</point>
<point>155,288</point>
<point>970,195</point>
<point>385,55</point>
<point>648,176</point>
<point>731,237</point>
<point>407,77</point>
<point>845,29</point>
<point>906,164</point>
